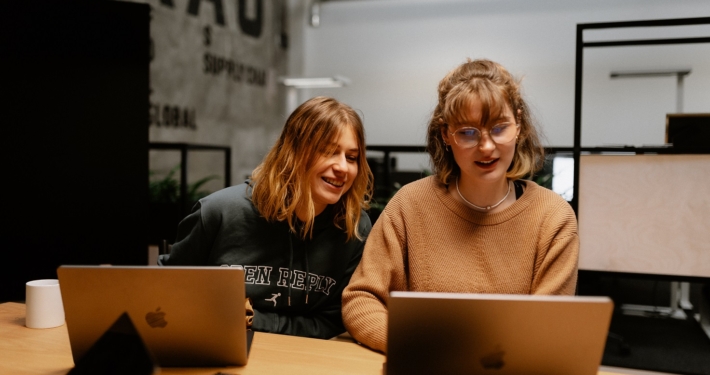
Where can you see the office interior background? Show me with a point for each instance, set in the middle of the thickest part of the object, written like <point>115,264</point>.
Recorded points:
<point>216,75</point>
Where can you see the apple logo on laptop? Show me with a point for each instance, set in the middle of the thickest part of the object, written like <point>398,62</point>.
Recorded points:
<point>493,360</point>
<point>156,319</point>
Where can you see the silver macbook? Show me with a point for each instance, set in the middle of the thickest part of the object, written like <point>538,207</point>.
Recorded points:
<point>447,333</point>
<point>187,316</point>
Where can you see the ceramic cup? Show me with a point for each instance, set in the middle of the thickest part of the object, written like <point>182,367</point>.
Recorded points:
<point>43,301</point>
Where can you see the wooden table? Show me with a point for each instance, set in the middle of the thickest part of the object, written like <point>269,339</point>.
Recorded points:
<point>46,351</point>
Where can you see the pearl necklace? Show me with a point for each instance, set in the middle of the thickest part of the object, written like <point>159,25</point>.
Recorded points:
<point>487,208</point>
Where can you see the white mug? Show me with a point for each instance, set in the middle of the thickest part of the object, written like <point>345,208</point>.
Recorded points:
<point>43,301</point>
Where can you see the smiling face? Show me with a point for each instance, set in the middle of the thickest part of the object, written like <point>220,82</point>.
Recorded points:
<point>487,161</point>
<point>333,173</point>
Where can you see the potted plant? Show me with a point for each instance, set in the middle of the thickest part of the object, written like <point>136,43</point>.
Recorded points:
<point>165,212</point>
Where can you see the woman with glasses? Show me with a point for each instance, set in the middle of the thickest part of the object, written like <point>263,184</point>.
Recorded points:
<point>297,227</point>
<point>474,226</point>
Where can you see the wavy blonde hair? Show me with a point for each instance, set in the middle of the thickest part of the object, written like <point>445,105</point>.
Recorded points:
<point>491,84</point>
<point>281,183</point>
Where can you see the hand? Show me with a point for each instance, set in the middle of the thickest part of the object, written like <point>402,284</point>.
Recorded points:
<point>250,313</point>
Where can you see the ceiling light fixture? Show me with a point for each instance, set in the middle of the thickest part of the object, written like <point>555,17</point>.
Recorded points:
<point>313,83</point>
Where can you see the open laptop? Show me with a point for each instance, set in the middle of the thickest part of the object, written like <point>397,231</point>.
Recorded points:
<point>448,333</point>
<point>187,316</point>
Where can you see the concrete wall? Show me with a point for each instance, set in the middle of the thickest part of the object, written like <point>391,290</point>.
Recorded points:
<point>214,81</point>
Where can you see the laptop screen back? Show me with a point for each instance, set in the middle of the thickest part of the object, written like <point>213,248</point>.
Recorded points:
<point>496,334</point>
<point>187,316</point>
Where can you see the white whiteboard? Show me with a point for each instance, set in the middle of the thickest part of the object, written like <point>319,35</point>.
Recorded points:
<point>645,214</point>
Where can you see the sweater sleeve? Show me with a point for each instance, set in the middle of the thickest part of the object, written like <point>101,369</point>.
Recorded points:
<point>381,270</point>
<point>556,266</point>
<point>193,243</point>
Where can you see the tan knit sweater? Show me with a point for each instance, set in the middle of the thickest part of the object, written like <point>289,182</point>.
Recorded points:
<point>425,240</point>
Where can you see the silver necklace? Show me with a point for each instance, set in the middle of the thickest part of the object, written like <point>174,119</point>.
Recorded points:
<point>487,208</point>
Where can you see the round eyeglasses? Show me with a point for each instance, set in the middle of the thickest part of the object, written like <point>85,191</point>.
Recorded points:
<point>470,137</point>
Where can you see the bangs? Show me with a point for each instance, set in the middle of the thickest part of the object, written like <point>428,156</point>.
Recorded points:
<point>326,141</point>
<point>326,136</point>
<point>323,139</point>
<point>319,136</point>
<point>461,98</point>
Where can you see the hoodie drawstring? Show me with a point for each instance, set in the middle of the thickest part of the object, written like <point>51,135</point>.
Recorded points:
<point>290,265</point>
<point>308,271</point>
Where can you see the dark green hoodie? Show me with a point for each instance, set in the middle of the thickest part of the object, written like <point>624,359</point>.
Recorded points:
<point>225,229</point>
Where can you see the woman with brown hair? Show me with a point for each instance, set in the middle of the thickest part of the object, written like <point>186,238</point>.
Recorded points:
<point>297,227</point>
<point>474,226</point>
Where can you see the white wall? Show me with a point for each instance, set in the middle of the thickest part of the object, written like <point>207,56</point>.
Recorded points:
<point>396,51</point>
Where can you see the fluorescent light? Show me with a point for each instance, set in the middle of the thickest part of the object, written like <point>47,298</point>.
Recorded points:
<point>311,83</point>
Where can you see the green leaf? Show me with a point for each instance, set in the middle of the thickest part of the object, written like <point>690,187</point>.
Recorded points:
<point>167,188</point>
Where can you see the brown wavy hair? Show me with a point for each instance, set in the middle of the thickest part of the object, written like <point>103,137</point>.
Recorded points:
<point>281,183</point>
<point>495,87</point>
